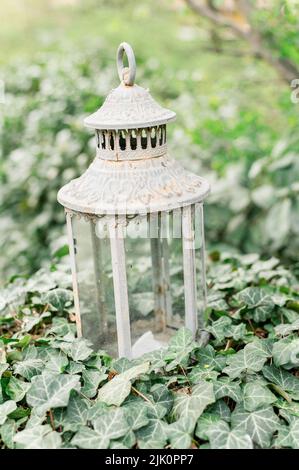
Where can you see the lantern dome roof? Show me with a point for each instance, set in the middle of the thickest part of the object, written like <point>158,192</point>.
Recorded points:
<point>128,106</point>
<point>132,171</point>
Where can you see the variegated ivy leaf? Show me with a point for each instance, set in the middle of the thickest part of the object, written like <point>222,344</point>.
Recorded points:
<point>29,368</point>
<point>7,432</point>
<point>193,404</point>
<point>207,358</point>
<point>179,349</point>
<point>59,299</point>
<point>221,437</point>
<point>221,409</point>
<point>56,361</point>
<point>286,329</point>
<point>80,349</point>
<point>126,442</point>
<point>283,379</point>
<point>290,408</point>
<point>16,389</point>
<point>111,425</point>
<point>153,435</point>
<point>162,397</point>
<point>224,328</point>
<point>259,424</point>
<point>286,352</point>
<point>199,373</point>
<point>92,379</point>
<point>258,302</point>
<point>38,437</point>
<point>180,433</point>
<point>288,436</point>
<point>76,413</point>
<point>203,424</point>
<point>116,391</point>
<point>136,416</point>
<point>250,359</point>
<point>30,321</point>
<point>257,396</point>
<point>61,327</point>
<point>5,409</point>
<point>51,390</point>
<point>155,358</point>
<point>224,387</point>
<point>221,328</point>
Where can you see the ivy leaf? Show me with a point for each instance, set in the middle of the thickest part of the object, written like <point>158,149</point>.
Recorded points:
<point>111,425</point>
<point>288,436</point>
<point>221,437</point>
<point>60,327</point>
<point>199,373</point>
<point>193,404</point>
<point>251,359</point>
<point>221,328</point>
<point>7,432</point>
<point>286,352</point>
<point>80,349</point>
<point>16,389</point>
<point>51,390</point>
<point>286,329</point>
<point>59,299</point>
<point>180,433</point>
<point>76,412</point>
<point>221,409</point>
<point>38,437</point>
<point>92,379</point>
<point>283,379</point>
<point>179,349</point>
<point>258,301</point>
<point>152,436</point>
<point>136,416</point>
<point>5,409</point>
<point>29,368</point>
<point>203,424</point>
<point>259,424</point>
<point>207,358</point>
<point>162,397</point>
<point>257,396</point>
<point>57,361</point>
<point>224,387</point>
<point>115,391</point>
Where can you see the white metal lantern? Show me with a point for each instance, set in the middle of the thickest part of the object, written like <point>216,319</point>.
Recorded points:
<point>135,227</point>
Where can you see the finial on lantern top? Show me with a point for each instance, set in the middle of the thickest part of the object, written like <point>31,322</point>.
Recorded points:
<point>129,106</point>
<point>126,74</point>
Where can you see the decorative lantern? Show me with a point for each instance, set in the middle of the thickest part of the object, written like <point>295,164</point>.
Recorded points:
<point>135,228</point>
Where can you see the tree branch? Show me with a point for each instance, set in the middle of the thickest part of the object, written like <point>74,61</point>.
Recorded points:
<point>286,69</point>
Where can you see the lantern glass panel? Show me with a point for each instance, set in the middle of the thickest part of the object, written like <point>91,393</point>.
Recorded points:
<point>95,285</point>
<point>154,260</point>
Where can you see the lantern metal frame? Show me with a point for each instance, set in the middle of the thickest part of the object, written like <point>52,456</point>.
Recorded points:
<point>133,176</point>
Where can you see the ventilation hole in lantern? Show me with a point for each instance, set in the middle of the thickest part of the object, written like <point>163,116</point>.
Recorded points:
<point>122,140</point>
<point>133,139</point>
<point>102,140</point>
<point>164,134</point>
<point>153,137</point>
<point>111,141</point>
<point>143,139</point>
<point>160,135</point>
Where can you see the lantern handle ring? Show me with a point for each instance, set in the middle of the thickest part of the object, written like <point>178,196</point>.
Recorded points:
<point>126,74</point>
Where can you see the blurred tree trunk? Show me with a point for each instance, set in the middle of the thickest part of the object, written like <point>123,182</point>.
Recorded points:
<point>237,15</point>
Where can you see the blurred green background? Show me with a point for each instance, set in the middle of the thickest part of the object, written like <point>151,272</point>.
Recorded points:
<point>228,79</point>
